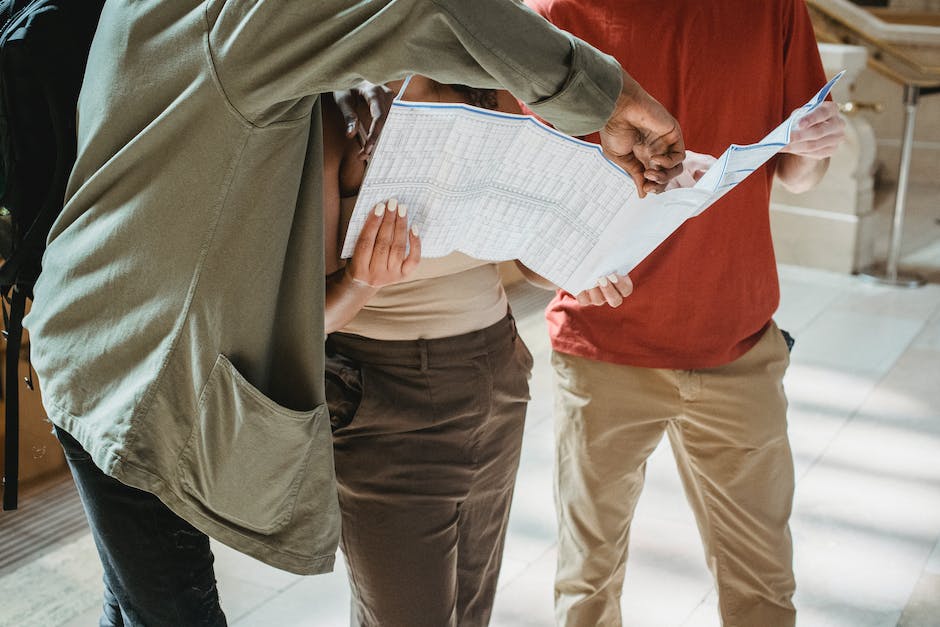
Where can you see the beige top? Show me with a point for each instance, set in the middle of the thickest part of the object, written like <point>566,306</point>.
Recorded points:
<point>177,327</point>
<point>445,296</point>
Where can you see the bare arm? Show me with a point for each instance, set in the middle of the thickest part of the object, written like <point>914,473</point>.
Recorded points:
<point>343,298</point>
<point>800,173</point>
<point>534,279</point>
<point>380,257</point>
<point>610,290</point>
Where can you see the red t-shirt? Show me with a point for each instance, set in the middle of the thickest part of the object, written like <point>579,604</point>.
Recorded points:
<point>729,71</point>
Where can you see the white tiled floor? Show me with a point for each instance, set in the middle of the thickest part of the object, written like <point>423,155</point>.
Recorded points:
<point>864,386</point>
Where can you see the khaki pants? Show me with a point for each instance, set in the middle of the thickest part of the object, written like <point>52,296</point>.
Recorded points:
<point>728,429</point>
<point>426,469</point>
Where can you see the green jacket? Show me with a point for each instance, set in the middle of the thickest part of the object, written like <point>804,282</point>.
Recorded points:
<point>177,327</point>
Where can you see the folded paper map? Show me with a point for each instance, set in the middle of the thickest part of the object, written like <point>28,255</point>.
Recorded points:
<point>498,186</point>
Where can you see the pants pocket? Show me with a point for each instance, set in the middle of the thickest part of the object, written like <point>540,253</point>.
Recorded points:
<point>525,356</point>
<point>247,455</point>
<point>343,387</point>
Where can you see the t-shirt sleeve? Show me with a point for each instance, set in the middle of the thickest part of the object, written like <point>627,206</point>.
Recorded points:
<point>803,72</point>
<point>269,55</point>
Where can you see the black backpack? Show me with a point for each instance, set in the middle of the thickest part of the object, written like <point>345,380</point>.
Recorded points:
<point>43,49</point>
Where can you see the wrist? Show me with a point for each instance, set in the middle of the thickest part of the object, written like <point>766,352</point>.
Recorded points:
<point>351,284</point>
<point>800,173</point>
<point>632,102</point>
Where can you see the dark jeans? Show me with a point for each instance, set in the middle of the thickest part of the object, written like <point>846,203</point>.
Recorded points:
<point>157,567</point>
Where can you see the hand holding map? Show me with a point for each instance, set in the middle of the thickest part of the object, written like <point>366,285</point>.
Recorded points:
<point>497,186</point>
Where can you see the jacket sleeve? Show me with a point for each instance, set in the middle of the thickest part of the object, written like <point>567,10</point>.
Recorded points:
<point>269,56</point>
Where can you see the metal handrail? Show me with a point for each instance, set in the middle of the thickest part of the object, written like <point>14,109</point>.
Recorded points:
<point>838,21</point>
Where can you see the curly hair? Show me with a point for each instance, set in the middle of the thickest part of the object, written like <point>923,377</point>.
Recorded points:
<point>483,98</point>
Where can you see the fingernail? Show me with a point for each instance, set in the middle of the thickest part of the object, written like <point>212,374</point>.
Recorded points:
<point>350,127</point>
<point>402,211</point>
<point>613,278</point>
<point>414,231</point>
<point>379,209</point>
<point>602,282</point>
<point>392,204</point>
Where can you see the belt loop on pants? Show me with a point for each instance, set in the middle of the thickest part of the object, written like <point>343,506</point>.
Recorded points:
<point>512,321</point>
<point>423,354</point>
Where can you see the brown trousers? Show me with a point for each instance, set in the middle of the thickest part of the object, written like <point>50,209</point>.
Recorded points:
<point>426,469</point>
<point>728,430</point>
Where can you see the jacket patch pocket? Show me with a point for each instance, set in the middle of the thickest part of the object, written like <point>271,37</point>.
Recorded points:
<point>247,455</point>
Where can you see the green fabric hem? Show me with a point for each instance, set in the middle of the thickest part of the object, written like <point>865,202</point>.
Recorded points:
<point>109,460</point>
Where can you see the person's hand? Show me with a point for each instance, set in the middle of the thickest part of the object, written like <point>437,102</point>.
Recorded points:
<point>610,290</point>
<point>379,100</point>
<point>818,134</point>
<point>382,256</point>
<point>642,137</point>
<point>694,167</point>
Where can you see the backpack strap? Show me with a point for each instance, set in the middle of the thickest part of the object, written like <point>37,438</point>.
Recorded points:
<point>11,457</point>
<point>22,267</point>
